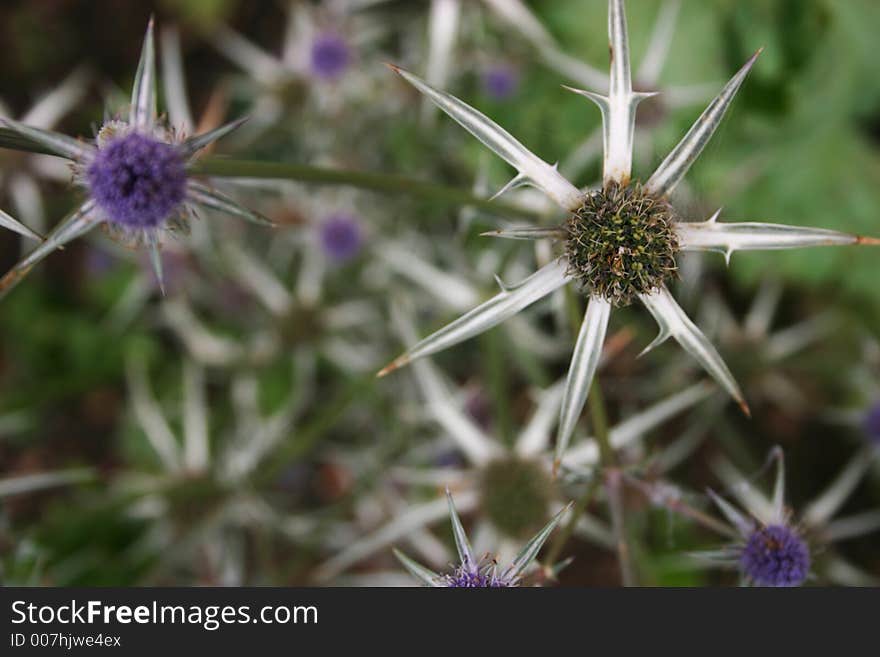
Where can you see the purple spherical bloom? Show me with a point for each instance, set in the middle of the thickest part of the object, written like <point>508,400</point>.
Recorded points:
<point>871,424</point>
<point>469,576</point>
<point>341,237</point>
<point>500,82</point>
<point>775,556</point>
<point>137,181</point>
<point>330,56</point>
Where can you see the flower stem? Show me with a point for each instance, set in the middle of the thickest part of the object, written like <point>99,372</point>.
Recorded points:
<point>368,180</point>
<point>562,537</point>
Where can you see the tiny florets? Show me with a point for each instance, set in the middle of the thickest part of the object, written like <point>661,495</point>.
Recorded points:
<point>775,555</point>
<point>330,56</point>
<point>516,495</point>
<point>137,181</point>
<point>471,576</point>
<point>871,424</point>
<point>621,243</point>
<point>341,237</point>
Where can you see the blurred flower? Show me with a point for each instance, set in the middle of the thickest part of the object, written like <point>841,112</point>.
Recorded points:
<point>511,485</point>
<point>341,236</point>
<point>774,555</point>
<point>480,573</point>
<point>315,65</point>
<point>134,175</point>
<point>500,82</point>
<point>872,424</point>
<point>330,56</point>
<point>774,551</point>
<point>620,241</point>
<point>210,487</point>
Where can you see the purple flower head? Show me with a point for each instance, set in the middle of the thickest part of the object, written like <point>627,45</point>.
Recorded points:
<point>871,424</point>
<point>137,181</point>
<point>500,82</point>
<point>341,237</point>
<point>330,56</point>
<point>775,555</point>
<point>471,576</point>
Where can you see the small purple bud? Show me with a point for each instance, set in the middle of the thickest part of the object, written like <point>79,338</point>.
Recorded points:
<point>137,181</point>
<point>871,425</point>
<point>330,56</point>
<point>500,82</point>
<point>341,237</point>
<point>775,556</point>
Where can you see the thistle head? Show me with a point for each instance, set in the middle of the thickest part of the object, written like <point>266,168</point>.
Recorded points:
<point>330,56</point>
<point>775,555</point>
<point>341,237</point>
<point>621,243</point>
<point>476,576</point>
<point>871,424</point>
<point>136,180</point>
<point>516,494</point>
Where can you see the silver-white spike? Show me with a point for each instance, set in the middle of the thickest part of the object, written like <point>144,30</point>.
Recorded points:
<point>424,575</point>
<point>587,352</point>
<point>11,223</point>
<point>194,144</point>
<point>488,314</point>
<point>531,549</point>
<point>526,233</point>
<point>679,161</point>
<point>77,223</point>
<point>502,143</point>
<point>673,322</point>
<point>726,238</point>
<point>52,142</point>
<point>619,106</point>
<point>143,92</point>
<point>462,544</point>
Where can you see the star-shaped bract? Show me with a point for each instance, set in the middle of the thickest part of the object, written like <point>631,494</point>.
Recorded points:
<point>618,109</point>
<point>135,174</point>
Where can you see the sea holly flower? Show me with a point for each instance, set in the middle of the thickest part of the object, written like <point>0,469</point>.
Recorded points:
<point>341,236</point>
<point>217,468</point>
<point>315,64</point>
<point>473,572</point>
<point>620,242</point>
<point>135,176</point>
<point>772,549</point>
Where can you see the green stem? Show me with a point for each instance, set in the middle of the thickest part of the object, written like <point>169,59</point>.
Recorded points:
<point>369,180</point>
<point>563,536</point>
